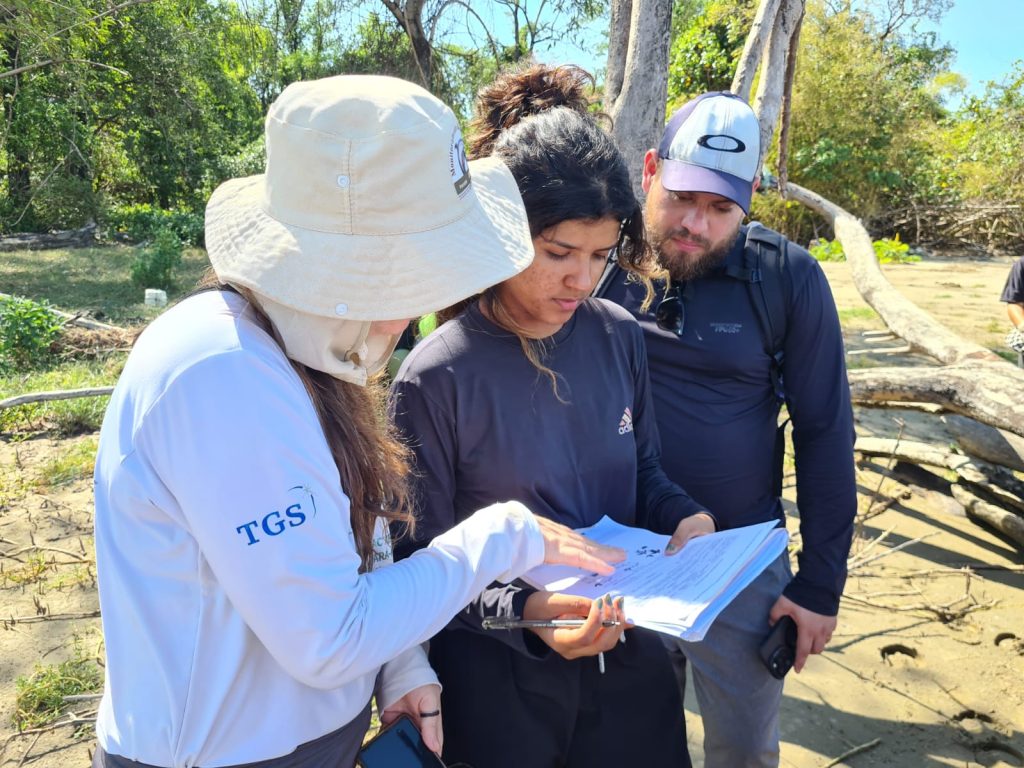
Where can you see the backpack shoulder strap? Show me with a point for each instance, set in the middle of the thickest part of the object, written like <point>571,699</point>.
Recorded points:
<point>765,255</point>
<point>765,271</point>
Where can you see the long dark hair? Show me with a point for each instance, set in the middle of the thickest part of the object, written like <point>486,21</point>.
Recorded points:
<point>538,120</point>
<point>373,463</point>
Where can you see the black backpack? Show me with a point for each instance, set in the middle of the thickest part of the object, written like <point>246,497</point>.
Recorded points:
<point>765,270</point>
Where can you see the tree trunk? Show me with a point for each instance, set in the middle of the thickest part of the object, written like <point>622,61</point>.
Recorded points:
<point>618,45</point>
<point>639,109</point>
<point>19,181</point>
<point>410,16</point>
<point>768,102</point>
<point>753,49</point>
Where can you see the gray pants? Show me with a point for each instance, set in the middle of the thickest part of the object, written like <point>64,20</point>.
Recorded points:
<point>739,700</point>
<point>336,749</point>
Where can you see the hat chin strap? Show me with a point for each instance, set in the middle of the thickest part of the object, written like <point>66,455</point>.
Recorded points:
<point>340,348</point>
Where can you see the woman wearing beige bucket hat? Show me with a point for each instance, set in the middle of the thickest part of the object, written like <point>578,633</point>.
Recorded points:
<point>244,479</point>
<point>535,392</point>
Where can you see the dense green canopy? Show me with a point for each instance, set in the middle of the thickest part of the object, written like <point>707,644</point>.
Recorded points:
<point>112,112</point>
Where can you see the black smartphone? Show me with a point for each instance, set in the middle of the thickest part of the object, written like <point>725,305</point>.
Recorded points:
<point>778,649</point>
<point>398,745</point>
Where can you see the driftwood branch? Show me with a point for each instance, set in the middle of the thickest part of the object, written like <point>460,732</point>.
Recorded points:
<point>67,394</point>
<point>37,241</point>
<point>986,392</point>
<point>906,320</point>
<point>14,620</point>
<point>1007,523</point>
<point>853,753</point>
<point>992,479</point>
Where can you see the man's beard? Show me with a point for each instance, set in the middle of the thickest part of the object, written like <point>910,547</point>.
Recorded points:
<point>690,266</point>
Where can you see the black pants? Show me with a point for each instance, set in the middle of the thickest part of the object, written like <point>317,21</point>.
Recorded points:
<point>503,709</point>
<point>336,749</point>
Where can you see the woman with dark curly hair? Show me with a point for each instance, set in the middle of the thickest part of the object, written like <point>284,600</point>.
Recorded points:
<point>536,392</point>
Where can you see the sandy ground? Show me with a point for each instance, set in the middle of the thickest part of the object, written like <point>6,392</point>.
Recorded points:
<point>926,668</point>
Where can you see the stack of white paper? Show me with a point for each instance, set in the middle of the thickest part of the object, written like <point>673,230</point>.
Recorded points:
<point>680,594</point>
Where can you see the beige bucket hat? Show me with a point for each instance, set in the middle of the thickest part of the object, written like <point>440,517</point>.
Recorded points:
<point>368,209</point>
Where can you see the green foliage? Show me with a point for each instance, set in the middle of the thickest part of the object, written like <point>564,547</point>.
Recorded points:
<point>704,54</point>
<point>861,106</point>
<point>858,316</point>
<point>887,251</point>
<point>155,264</point>
<point>27,330</point>
<point>40,697</point>
<point>141,222</point>
<point>893,251</point>
<point>827,250</point>
<point>132,105</point>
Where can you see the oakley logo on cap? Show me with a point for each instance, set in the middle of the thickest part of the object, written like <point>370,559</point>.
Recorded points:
<point>730,143</point>
<point>712,145</point>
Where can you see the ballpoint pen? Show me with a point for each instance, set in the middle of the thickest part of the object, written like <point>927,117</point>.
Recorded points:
<point>512,622</point>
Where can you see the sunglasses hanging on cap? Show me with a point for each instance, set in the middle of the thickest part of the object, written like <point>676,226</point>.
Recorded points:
<point>670,314</point>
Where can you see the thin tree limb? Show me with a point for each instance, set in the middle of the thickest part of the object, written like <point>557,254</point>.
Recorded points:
<point>67,394</point>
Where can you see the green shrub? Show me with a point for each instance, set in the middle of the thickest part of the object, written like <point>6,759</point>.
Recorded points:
<point>893,251</point>
<point>154,266</point>
<point>27,329</point>
<point>887,251</point>
<point>141,222</point>
<point>827,250</point>
<point>40,698</point>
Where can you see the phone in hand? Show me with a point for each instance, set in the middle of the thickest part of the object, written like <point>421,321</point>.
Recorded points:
<point>778,649</point>
<point>398,745</point>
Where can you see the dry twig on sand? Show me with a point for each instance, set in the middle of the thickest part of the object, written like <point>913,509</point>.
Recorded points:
<point>852,752</point>
<point>86,718</point>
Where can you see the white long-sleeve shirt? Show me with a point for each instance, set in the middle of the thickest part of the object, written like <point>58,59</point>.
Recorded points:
<point>237,625</point>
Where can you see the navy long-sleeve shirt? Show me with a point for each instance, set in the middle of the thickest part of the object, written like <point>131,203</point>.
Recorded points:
<point>717,413</point>
<point>485,426</point>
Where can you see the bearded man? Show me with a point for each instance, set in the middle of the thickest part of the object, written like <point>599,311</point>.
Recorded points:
<point>718,385</point>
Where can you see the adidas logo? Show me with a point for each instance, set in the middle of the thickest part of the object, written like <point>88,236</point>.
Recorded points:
<point>626,422</point>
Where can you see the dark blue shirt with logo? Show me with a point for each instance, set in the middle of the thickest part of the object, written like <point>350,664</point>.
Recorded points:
<point>486,426</point>
<point>717,413</point>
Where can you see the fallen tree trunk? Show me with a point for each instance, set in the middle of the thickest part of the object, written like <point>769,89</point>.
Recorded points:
<point>41,397</point>
<point>989,393</point>
<point>975,381</point>
<point>996,446</point>
<point>978,510</point>
<point>906,320</point>
<point>1000,482</point>
<point>39,241</point>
